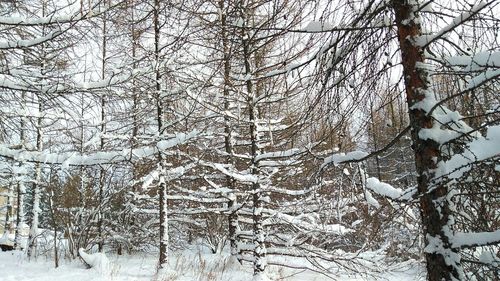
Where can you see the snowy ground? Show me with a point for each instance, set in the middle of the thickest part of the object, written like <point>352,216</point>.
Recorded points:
<point>184,266</point>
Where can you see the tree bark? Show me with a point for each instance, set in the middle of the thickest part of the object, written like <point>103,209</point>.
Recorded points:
<point>228,142</point>
<point>102,172</point>
<point>162,189</point>
<point>36,188</point>
<point>443,262</point>
<point>260,263</point>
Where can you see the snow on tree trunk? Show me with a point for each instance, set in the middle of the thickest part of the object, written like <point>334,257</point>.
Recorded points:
<point>259,264</point>
<point>162,189</point>
<point>19,214</point>
<point>257,197</point>
<point>233,225</point>
<point>443,262</point>
<point>21,188</point>
<point>102,172</point>
<point>228,138</point>
<point>36,188</point>
<point>163,216</point>
<point>35,213</point>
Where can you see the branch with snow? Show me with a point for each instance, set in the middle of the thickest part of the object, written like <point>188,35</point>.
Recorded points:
<point>424,40</point>
<point>480,149</point>
<point>475,239</point>
<point>54,19</point>
<point>98,158</point>
<point>26,43</point>
<point>383,189</point>
<point>339,158</point>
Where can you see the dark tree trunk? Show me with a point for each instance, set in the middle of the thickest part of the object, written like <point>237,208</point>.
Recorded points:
<point>443,262</point>
<point>228,143</point>
<point>162,189</point>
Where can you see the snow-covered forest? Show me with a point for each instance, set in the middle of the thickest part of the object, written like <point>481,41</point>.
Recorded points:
<point>250,139</point>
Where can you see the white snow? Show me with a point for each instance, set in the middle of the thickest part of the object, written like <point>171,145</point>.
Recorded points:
<point>461,239</point>
<point>188,265</point>
<point>72,158</point>
<point>96,261</point>
<point>383,189</point>
<point>68,17</point>
<point>336,159</point>
<point>317,26</point>
<point>370,200</point>
<point>476,62</point>
<point>426,39</point>
<point>480,149</point>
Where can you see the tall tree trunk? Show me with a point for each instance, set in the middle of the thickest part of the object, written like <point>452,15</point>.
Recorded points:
<point>102,173</point>
<point>443,262</point>
<point>21,189</point>
<point>162,189</point>
<point>36,186</point>
<point>54,226</point>
<point>228,140</point>
<point>259,252</point>
<point>39,145</point>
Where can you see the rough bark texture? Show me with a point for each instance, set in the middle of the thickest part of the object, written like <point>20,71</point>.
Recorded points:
<point>21,189</point>
<point>258,229</point>
<point>162,189</point>
<point>36,188</point>
<point>434,205</point>
<point>259,264</point>
<point>102,175</point>
<point>19,215</point>
<point>228,142</point>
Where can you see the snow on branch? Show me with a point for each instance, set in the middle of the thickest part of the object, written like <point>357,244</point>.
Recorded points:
<point>52,19</point>
<point>14,83</point>
<point>424,40</point>
<point>383,189</point>
<point>474,239</point>
<point>478,61</point>
<point>280,154</point>
<point>22,43</point>
<point>359,156</point>
<point>103,157</point>
<point>226,170</point>
<point>305,223</point>
<point>480,149</point>
<point>340,158</point>
<point>480,79</point>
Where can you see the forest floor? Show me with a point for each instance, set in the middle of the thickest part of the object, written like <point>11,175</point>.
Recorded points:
<point>184,266</point>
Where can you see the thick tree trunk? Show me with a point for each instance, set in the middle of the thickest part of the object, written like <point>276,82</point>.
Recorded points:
<point>443,262</point>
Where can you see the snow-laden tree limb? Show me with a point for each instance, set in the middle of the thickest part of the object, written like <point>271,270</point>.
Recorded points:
<point>27,43</point>
<point>383,189</point>
<point>475,239</point>
<point>480,149</point>
<point>55,19</point>
<point>98,158</point>
<point>424,40</point>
